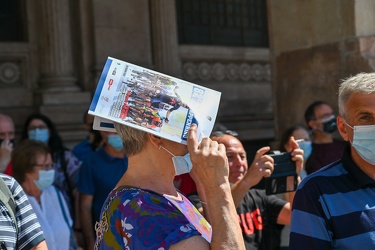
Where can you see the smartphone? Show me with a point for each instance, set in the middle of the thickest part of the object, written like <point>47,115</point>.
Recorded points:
<point>284,176</point>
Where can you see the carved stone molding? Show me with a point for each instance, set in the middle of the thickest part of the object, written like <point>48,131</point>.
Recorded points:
<point>205,71</point>
<point>9,73</point>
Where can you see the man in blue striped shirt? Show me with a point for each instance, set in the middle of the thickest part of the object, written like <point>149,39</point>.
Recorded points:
<point>334,208</point>
<point>28,234</point>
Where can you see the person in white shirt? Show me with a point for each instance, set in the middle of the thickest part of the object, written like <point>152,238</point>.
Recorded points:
<point>34,170</point>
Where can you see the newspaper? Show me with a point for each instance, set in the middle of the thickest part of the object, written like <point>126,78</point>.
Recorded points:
<point>152,102</point>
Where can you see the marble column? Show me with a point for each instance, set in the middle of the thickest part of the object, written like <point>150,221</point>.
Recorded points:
<point>55,46</point>
<point>164,37</point>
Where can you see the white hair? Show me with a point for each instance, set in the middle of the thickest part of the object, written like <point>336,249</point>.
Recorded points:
<point>361,83</point>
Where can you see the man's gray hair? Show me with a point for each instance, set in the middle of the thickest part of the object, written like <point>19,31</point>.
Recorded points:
<point>361,83</point>
<point>133,139</point>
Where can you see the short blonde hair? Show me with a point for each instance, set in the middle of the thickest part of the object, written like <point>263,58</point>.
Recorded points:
<point>133,139</point>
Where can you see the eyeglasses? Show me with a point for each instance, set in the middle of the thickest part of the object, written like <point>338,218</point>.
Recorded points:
<point>47,166</point>
<point>37,127</point>
<point>226,132</point>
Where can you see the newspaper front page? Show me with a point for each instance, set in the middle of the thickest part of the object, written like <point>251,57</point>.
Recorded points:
<point>152,102</point>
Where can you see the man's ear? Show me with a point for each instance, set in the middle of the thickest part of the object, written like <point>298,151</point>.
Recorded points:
<point>311,124</point>
<point>343,129</point>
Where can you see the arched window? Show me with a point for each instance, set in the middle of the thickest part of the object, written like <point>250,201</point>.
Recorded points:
<point>223,22</point>
<point>12,21</point>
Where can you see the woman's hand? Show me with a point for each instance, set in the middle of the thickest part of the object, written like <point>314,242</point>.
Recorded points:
<point>210,163</point>
<point>297,154</point>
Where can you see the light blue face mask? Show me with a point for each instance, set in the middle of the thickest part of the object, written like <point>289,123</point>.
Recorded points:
<point>116,142</point>
<point>46,178</point>
<point>364,142</point>
<point>182,164</point>
<point>39,134</point>
<point>307,149</point>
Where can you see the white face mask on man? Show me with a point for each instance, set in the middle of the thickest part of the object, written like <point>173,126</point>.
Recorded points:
<point>364,141</point>
<point>182,164</point>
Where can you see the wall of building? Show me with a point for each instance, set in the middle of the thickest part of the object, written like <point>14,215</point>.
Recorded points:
<point>314,44</point>
<point>122,29</point>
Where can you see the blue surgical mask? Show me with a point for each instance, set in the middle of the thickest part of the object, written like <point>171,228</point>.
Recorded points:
<point>364,142</point>
<point>39,134</point>
<point>116,142</point>
<point>307,149</point>
<point>182,164</point>
<point>46,178</point>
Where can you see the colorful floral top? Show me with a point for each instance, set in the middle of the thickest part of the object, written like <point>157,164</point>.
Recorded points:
<point>134,218</point>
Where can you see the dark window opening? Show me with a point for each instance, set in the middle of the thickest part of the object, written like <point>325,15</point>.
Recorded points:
<point>12,21</point>
<point>222,22</point>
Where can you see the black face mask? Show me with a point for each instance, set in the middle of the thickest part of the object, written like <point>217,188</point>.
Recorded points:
<point>329,125</point>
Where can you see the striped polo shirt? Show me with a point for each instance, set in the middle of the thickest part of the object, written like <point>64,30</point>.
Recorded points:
<point>29,231</point>
<point>334,208</point>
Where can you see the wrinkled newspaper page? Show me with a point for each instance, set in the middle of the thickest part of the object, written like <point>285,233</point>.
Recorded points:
<point>153,102</point>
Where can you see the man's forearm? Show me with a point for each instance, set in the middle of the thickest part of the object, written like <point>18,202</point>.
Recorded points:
<point>291,195</point>
<point>41,246</point>
<point>239,190</point>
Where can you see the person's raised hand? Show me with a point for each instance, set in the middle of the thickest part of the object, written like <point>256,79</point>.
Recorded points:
<point>297,154</point>
<point>262,166</point>
<point>210,163</point>
<point>6,148</point>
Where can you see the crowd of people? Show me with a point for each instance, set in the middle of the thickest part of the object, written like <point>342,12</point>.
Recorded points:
<point>120,190</point>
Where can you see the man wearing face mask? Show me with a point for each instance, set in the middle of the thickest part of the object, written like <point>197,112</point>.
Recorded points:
<point>6,140</point>
<point>334,207</point>
<point>321,121</point>
<point>99,173</point>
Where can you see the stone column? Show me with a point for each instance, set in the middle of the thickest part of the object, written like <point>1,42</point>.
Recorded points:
<point>55,46</point>
<point>164,37</point>
<point>58,96</point>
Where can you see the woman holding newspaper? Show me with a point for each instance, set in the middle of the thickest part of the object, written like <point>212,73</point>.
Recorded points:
<point>145,211</point>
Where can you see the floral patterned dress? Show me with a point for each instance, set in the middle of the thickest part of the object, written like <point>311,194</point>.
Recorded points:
<point>134,218</point>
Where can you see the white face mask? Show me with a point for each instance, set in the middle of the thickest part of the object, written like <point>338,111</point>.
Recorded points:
<point>46,178</point>
<point>364,142</point>
<point>182,164</point>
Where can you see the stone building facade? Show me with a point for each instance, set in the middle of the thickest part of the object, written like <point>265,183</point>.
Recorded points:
<point>53,64</point>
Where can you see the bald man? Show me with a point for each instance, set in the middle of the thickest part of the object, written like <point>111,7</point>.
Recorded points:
<point>256,210</point>
<point>6,140</point>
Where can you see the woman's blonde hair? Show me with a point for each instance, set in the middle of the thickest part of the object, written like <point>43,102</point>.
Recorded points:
<point>133,139</point>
